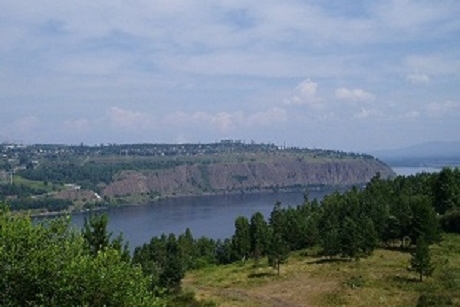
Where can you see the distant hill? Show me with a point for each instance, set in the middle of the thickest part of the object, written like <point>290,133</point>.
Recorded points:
<point>426,154</point>
<point>244,173</point>
<point>133,173</point>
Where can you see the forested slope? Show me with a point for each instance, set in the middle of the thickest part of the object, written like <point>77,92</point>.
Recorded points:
<point>58,177</point>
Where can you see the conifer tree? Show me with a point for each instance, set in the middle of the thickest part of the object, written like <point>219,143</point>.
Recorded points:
<point>421,259</point>
<point>278,252</point>
<point>188,249</point>
<point>173,268</point>
<point>350,239</point>
<point>424,220</point>
<point>241,240</point>
<point>329,240</point>
<point>95,233</point>
<point>259,233</point>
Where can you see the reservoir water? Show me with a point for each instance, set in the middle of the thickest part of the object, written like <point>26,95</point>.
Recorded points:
<point>210,216</point>
<point>413,170</point>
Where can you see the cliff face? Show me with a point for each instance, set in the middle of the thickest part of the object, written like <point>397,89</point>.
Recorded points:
<point>275,172</point>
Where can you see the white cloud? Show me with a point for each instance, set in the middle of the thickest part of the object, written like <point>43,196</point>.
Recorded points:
<point>307,88</point>
<point>268,117</point>
<point>223,121</point>
<point>362,114</point>
<point>418,78</point>
<point>365,113</point>
<point>226,121</point>
<point>305,93</point>
<point>412,114</point>
<point>215,68</point>
<point>433,64</point>
<point>443,108</point>
<point>353,94</point>
<point>130,120</point>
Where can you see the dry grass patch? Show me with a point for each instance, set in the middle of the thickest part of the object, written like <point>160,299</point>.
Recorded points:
<point>380,280</point>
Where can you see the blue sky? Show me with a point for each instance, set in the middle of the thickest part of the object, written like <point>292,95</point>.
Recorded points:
<point>348,75</point>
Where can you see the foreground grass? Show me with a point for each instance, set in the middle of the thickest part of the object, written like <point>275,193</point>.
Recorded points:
<point>380,280</point>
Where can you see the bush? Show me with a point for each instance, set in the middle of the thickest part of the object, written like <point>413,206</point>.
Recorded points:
<point>450,222</point>
<point>426,300</point>
<point>47,264</point>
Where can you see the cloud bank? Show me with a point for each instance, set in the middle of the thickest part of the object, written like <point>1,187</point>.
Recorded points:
<point>355,75</point>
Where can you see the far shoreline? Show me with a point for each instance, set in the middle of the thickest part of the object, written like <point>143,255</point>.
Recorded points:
<point>125,202</point>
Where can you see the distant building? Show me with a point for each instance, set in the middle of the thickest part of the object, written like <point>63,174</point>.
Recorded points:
<point>72,186</point>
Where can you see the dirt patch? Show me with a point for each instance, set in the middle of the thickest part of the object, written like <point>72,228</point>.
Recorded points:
<point>296,291</point>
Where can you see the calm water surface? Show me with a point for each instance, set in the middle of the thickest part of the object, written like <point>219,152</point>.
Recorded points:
<point>210,216</point>
<point>410,170</point>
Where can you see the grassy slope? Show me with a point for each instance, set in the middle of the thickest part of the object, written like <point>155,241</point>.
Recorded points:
<point>380,280</point>
<point>34,184</point>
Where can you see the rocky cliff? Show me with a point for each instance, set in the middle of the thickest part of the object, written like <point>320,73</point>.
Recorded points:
<point>259,173</point>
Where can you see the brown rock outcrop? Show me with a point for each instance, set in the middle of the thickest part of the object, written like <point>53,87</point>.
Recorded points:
<point>278,171</point>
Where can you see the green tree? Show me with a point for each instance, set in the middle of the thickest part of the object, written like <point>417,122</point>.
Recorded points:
<point>97,237</point>
<point>277,252</point>
<point>329,225</point>
<point>188,249</point>
<point>162,262</point>
<point>377,198</point>
<point>48,264</point>
<point>224,251</point>
<point>241,240</point>
<point>152,258</point>
<point>447,190</point>
<point>401,212</point>
<point>173,269</point>
<point>350,239</point>
<point>277,219</point>
<point>368,235</point>
<point>259,234</point>
<point>295,232</point>
<point>206,251</point>
<point>421,259</point>
<point>95,233</point>
<point>424,220</point>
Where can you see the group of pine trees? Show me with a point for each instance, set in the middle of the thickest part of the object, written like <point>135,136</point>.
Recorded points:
<point>55,265</point>
<point>403,211</point>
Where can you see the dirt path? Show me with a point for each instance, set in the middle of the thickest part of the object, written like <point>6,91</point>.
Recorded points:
<point>297,291</point>
<point>262,300</point>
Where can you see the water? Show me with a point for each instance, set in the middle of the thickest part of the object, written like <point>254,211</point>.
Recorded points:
<point>411,170</point>
<point>210,216</point>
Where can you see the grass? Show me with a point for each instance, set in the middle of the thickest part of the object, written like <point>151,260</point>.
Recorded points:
<point>380,280</point>
<point>39,185</point>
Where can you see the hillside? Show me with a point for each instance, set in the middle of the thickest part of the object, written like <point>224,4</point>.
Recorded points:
<point>91,176</point>
<point>311,281</point>
<point>252,173</point>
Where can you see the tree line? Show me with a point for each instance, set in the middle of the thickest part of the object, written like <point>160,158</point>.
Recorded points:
<point>92,174</point>
<point>27,197</point>
<point>403,211</point>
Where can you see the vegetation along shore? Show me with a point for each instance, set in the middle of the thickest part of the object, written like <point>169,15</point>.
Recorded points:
<point>53,178</point>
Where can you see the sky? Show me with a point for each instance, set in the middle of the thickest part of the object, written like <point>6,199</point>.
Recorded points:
<point>348,75</point>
